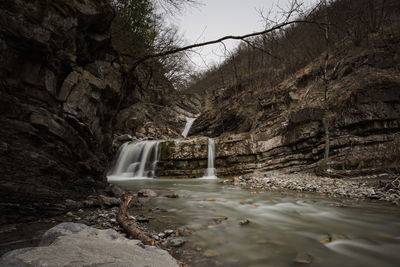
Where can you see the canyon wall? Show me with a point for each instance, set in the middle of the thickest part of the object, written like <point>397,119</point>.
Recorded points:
<point>282,127</point>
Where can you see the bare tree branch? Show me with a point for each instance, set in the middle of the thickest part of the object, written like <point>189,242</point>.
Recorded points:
<point>220,40</point>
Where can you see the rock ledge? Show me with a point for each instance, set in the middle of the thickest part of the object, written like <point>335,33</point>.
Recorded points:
<point>74,244</point>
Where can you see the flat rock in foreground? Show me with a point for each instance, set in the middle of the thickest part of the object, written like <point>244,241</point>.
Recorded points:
<point>74,244</point>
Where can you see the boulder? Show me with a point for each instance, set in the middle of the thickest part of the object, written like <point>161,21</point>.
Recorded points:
<point>108,201</point>
<point>147,193</point>
<point>73,244</point>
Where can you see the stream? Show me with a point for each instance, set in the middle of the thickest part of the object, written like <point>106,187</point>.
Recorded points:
<point>284,229</point>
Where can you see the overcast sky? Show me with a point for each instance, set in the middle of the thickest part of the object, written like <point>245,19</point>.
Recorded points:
<point>213,19</point>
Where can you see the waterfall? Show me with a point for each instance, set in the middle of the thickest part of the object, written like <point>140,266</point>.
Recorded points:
<point>135,160</point>
<point>210,172</point>
<point>189,122</point>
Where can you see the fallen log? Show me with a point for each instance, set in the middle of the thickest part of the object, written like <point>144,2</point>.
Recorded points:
<point>129,228</point>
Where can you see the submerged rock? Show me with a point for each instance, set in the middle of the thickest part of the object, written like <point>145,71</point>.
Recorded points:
<point>210,253</point>
<point>244,222</point>
<point>176,242</point>
<point>172,196</point>
<point>147,193</point>
<point>303,257</point>
<point>61,245</point>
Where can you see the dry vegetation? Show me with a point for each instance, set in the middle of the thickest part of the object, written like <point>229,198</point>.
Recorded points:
<point>266,60</point>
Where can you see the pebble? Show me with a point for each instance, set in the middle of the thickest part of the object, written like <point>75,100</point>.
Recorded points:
<point>176,242</point>
<point>168,232</point>
<point>161,235</point>
<point>352,188</point>
<point>184,231</point>
<point>147,193</point>
<point>326,239</point>
<point>303,257</point>
<point>244,222</point>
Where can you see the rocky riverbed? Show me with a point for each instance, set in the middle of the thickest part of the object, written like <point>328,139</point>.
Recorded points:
<point>95,214</point>
<point>383,187</point>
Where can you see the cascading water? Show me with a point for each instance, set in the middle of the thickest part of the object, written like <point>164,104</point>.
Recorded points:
<point>189,123</point>
<point>210,172</point>
<point>136,160</point>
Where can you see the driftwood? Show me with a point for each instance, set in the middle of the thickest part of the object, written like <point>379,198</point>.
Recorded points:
<point>123,220</point>
<point>129,228</point>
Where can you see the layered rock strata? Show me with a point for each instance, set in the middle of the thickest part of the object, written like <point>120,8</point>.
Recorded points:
<point>282,128</point>
<point>61,85</point>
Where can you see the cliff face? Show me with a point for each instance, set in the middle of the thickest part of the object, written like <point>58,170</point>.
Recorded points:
<point>281,128</point>
<point>61,86</point>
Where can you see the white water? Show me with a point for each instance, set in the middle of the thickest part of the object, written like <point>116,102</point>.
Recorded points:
<point>189,123</point>
<point>210,172</point>
<point>136,160</point>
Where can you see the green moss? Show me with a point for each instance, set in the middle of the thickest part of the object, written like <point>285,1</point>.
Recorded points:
<point>166,149</point>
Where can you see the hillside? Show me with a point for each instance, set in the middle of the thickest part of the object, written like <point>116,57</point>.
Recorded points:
<point>362,102</point>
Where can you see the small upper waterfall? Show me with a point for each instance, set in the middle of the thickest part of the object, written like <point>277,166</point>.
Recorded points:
<point>136,160</point>
<point>210,172</point>
<point>189,123</point>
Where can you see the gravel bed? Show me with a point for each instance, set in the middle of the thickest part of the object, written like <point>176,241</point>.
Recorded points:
<point>371,187</point>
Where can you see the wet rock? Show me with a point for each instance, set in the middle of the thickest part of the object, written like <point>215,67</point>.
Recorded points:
<point>326,239</point>
<point>210,253</point>
<point>60,245</point>
<point>146,193</point>
<point>244,222</point>
<point>142,219</point>
<point>247,201</point>
<point>124,138</point>
<point>168,232</point>
<point>176,242</point>
<point>162,235</point>
<point>303,257</point>
<point>185,231</point>
<point>108,201</point>
<point>217,220</point>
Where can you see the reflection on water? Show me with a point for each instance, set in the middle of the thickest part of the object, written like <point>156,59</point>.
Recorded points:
<point>334,232</point>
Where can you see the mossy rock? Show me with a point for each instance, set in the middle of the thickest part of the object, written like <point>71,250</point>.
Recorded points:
<point>166,149</point>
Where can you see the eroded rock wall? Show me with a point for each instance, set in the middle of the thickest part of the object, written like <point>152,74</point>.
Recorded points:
<point>60,88</point>
<point>281,128</point>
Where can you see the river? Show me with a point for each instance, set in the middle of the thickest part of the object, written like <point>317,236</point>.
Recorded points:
<point>284,228</point>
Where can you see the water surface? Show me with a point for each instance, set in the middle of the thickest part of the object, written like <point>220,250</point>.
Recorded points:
<point>283,226</point>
